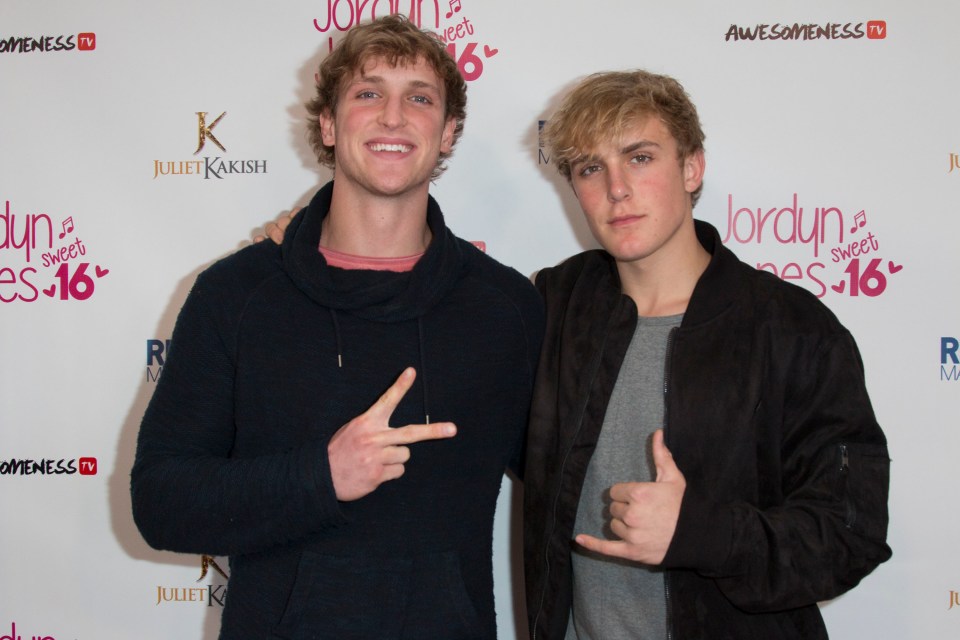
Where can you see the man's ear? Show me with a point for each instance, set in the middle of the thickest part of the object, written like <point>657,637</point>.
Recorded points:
<point>328,130</point>
<point>693,167</point>
<point>446,138</point>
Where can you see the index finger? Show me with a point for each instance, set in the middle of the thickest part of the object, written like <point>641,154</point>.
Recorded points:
<point>386,403</point>
<point>614,548</point>
<point>419,432</point>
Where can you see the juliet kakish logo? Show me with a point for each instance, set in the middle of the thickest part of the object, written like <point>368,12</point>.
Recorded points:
<point>840,253</point>
<point>84,466</point>
<point>954,163</point>
<point>85,41</point>
<point>803,31</point>
<point>949,359</point>
<point>157,350</point>
<point>447,18</point>
<point>209,595</point>
<point>208,167</point>
<point>43,255</point>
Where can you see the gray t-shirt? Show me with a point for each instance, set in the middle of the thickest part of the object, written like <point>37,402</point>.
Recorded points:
<point>616,599</point>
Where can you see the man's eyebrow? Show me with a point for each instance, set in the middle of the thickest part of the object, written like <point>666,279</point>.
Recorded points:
<point>414,84</point>
<point>585,159</point>
<point>636,146</point>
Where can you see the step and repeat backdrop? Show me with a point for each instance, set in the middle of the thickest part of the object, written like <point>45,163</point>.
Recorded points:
<point>141,142</point>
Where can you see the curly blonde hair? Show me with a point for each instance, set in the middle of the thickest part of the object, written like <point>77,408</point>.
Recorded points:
<point>397,41</point>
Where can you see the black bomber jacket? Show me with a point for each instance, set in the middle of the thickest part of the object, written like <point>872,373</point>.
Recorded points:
<point>767,417</point>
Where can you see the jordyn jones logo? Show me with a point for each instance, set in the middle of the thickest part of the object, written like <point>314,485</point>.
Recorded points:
<point>207,167</point>
<point>949,358</point>
<point>28,44</point>
<point>457,30</point>
<point>15,636</point>
<point>86,466</point>
<point>71,279</point>
<point>871,29</point>
<point>846,255</point>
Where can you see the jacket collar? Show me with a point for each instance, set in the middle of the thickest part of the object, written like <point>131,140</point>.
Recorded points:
<point>715,291</point>
<point>719,285</point>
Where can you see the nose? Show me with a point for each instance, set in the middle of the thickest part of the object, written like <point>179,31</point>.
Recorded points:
<point>617,187</point>
<point>392,114</point>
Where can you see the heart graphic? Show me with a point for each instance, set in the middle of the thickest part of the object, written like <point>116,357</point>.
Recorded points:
<point>488,52</point>
<point>894,267</point>
<point>840,287</point>
<point>51,291</point>
<point>102,272</point>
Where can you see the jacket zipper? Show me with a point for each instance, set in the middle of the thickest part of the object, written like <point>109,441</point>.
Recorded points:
<point>850,516</point>
<point>666,387</point>
<point>594,368</point>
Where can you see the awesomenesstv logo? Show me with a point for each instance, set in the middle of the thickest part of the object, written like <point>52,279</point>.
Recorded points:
<point>58,267</point>
<point>86,466</point>
<point>803,31</point>
<point>457,30</point>
<point>86,41</point>
<point>843,256</point>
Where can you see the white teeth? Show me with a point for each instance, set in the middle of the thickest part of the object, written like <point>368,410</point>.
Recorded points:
<point>390,147</point>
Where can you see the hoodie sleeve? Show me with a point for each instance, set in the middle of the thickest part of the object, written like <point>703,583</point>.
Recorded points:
<point>188,493</point>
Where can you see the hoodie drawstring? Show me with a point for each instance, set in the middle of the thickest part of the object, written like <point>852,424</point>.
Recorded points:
<point>422,372</point>
<point>336,333</point>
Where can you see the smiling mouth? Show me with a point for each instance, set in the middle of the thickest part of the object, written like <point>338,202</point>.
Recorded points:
<point>396,148</point>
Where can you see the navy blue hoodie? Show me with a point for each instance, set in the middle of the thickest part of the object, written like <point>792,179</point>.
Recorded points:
<point>274,351</point>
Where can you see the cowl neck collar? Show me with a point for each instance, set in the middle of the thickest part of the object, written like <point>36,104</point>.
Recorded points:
<point>372,295</point>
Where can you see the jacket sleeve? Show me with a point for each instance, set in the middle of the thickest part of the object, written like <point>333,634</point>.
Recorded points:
<point>827,527</point>
<point>189,494</point>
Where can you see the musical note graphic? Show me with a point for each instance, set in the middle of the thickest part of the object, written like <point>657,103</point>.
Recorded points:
<point>67,227</point>
<point>859,221</point>
<point>454,7</point>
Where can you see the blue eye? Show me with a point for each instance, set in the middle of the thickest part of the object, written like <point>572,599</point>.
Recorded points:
<point>588,170</point>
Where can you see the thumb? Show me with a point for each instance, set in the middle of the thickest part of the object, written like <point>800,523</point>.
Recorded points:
<point>667,469</point>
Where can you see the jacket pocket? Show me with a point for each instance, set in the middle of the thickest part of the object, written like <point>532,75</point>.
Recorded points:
<point>349,598</point>
<point>864,487</point>
<point>444,609</point>
<point>362,598</point>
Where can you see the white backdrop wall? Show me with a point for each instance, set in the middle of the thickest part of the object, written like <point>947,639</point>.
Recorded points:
<point>849,118</point>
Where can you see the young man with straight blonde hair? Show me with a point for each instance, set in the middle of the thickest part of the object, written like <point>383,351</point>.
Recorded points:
<point>702,460</point>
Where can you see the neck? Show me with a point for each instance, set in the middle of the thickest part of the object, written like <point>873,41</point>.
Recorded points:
<point>376,227</point>
<point>661,285</point>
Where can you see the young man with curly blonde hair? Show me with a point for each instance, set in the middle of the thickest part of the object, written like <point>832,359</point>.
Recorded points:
<point>345,515</point>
